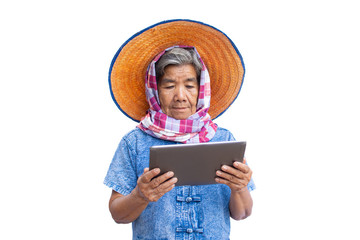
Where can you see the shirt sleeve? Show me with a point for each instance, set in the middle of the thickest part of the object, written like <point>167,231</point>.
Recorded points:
<point>121,175</point>
<point>251,185</point>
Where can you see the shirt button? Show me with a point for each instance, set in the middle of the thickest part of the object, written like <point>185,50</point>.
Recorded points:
<point>188,199</point>
<point>189,230</point>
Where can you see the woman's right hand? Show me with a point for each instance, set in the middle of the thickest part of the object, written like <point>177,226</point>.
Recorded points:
<point>151,188</point>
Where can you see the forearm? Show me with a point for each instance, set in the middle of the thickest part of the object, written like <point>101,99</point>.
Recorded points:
<point>240,204</point>
<point>126,209</point>
<point>149,188</point>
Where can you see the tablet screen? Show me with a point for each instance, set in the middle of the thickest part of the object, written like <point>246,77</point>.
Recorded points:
<point>196,164</point>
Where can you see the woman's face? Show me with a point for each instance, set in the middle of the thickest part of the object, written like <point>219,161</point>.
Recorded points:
<point>178,91</point>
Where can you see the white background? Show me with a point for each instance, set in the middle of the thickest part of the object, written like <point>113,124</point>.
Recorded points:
<point>298,110</point>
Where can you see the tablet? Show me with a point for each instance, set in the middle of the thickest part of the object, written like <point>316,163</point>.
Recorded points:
<point>196,164</point>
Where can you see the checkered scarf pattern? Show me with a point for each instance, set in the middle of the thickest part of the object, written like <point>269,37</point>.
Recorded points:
<point>195,129</point>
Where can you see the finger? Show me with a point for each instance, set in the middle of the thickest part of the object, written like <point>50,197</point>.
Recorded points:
<point>169,188</point>
<point>165,187</point>
<point>168,184</point>
<point>241,166</point>
<point>224,181</point>
<point>229,177</point>
<point>148,175</point>
<point>161,179</point>
<point>245,169</point>
<point>232,171</point>
<point>232,185</point>
<point>155,197</point>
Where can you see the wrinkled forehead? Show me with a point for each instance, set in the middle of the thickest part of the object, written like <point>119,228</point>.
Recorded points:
<point>181,72</point>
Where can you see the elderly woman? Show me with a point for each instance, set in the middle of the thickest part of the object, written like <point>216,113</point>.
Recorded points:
<point>178,92</point>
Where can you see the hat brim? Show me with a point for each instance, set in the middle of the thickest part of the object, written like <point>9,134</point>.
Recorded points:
<point>220,55</point>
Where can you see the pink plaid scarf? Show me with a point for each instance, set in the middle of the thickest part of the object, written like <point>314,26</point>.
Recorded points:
<point>196,129</point>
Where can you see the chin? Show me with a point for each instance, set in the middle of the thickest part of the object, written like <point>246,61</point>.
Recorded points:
<point>181,116</point>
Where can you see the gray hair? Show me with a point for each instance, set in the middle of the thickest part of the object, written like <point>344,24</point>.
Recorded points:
<point>178,56</point>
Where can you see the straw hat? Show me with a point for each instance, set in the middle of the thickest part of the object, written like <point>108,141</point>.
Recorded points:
<point>130,63</point>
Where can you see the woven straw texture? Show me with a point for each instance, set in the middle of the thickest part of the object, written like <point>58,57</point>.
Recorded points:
<point>127,76</point>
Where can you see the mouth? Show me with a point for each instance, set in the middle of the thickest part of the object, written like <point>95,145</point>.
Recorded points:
<point>180,108</point>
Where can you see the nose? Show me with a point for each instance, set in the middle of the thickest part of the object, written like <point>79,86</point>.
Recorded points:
<point>180,94</point>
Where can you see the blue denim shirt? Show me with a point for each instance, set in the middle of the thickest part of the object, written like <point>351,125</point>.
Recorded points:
<point>186,212</point>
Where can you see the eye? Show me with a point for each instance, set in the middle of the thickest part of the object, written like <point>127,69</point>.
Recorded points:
<point>190,86</point>
<point>168,87</point>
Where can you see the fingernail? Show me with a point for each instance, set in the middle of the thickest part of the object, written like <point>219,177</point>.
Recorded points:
<point>224,167</point>
<point>218,172</point>
<point>169,174</point>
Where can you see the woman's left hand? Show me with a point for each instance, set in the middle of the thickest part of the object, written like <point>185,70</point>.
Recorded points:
<point>236,177</point>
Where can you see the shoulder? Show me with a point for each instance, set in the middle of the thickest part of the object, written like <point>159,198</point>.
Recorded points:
<point>137,140</point>
<point>223,130</point>
<point>222,134</point>
<point>135,135</point>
